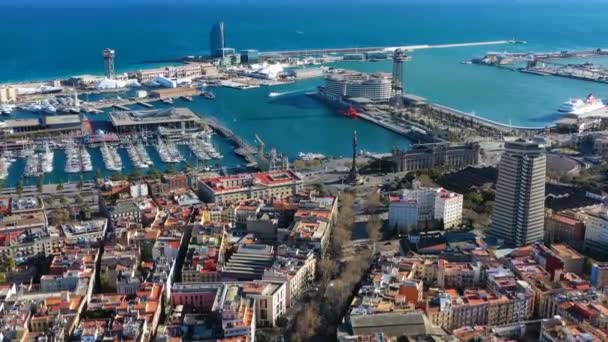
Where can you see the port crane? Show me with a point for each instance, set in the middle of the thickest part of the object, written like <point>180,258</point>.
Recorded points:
<point>261,142</point>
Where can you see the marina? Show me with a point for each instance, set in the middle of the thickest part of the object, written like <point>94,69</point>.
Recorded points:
<point>111,158</point>
<point>168,152</point>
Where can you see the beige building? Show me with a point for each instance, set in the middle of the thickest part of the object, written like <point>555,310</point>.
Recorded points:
<point>279,184</point>
<point>8,94</point>
<point>448,208</point>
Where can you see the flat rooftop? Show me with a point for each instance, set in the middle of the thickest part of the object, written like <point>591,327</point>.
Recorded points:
<point>154,116</point>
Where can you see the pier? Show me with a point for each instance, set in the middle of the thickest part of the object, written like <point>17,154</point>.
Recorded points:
<point>544,64</point>
<point>120,107</point>
<point>474,120</point>
<point>243,149</point>
<point>307,52</point>
<point>144,104</point>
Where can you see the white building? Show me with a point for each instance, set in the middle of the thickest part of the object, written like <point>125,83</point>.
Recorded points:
<point>596,228</point>
<point>448,207</point>
<point>422,207</point>
<point>270,302</point>
<point>345,83</point>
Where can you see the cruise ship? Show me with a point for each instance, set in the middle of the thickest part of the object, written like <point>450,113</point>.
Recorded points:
<point>581,107</point>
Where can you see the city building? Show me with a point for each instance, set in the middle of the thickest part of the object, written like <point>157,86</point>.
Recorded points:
<point>295,267</point>
<point>310,233</point>
<point>249,56</point>
<point>557,329</point>
<point>278,184</point>
<point>270,301</point>
<point>599,275</point>
<point>403,213</point>
<point>8,94</point>
<point>344,84</point>
<point>564,227</point>
<point>448,208</point>
<point>428,156</point>
<point>217,40</point>
<point>425,208</point>
<point>152,119</point>
<point>596,229</point>
<point>248,262</point>
<point>461,275</point>
<point>572,260</point>
<point>518,215</point>
<point>86,231</point>
<point>205,255</point>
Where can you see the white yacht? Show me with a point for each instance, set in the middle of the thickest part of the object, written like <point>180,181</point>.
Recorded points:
<point>85,159</point>
<point>7,108</point>
<point>72,163</point>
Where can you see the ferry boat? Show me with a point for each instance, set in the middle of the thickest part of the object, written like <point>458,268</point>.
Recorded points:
<point>580,107</point>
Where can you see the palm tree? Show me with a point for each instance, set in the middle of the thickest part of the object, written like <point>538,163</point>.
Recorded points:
<point>59,187</point>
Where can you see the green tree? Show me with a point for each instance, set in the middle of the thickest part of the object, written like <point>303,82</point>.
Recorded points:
<point>40,185</point>
<point>171,169</point>
<point>135,175</point>
<point>7,263</point>
<point>282,321</point>
<point>19,188</point>
<point>154,172</point>
<point>80,184</point>
<point>261,336</point>
<point>474,197</point>
<point>59,216</point>
<point>63,200</point>
<point>86,212</point>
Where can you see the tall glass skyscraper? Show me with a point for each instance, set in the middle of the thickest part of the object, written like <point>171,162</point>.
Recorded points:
<point>217,39</point>
<point>518,216</point>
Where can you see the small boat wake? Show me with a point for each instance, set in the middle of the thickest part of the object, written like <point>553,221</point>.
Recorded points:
<point>277,94</point>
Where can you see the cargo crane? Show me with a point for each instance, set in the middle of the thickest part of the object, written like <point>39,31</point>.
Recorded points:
<point>261,151</point>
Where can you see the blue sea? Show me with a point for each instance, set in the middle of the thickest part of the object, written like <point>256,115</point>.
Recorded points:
<point>48,39</point>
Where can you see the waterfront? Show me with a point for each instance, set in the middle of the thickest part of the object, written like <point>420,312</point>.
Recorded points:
<point>295,122</point>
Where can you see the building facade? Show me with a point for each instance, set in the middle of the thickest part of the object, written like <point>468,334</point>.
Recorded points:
<point>217,39</point>
<point>518,216</point>
<point>448,208</point>
<point>375,87</point>
<point>428,156</point>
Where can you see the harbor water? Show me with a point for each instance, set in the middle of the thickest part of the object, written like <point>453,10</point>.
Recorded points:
<point>67,39</point>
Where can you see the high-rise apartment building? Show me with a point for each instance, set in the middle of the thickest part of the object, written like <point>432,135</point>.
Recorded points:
<point>518,216</point>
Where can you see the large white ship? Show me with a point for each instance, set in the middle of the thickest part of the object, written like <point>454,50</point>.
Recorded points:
<point>581,107</point>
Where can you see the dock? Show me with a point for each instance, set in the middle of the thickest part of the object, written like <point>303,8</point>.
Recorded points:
<point>144,104</point>
<point>242,148</point>
<point>546,63</point>
<point>120,107</point>
<point>308,52</point>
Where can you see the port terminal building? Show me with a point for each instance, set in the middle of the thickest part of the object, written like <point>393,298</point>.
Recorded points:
<point>428,156</point>
<point>151,120</point>
<point>343,84</point>
<point>51,123</point>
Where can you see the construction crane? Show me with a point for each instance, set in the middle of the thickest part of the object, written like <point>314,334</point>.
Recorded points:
<point>261,153</point>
